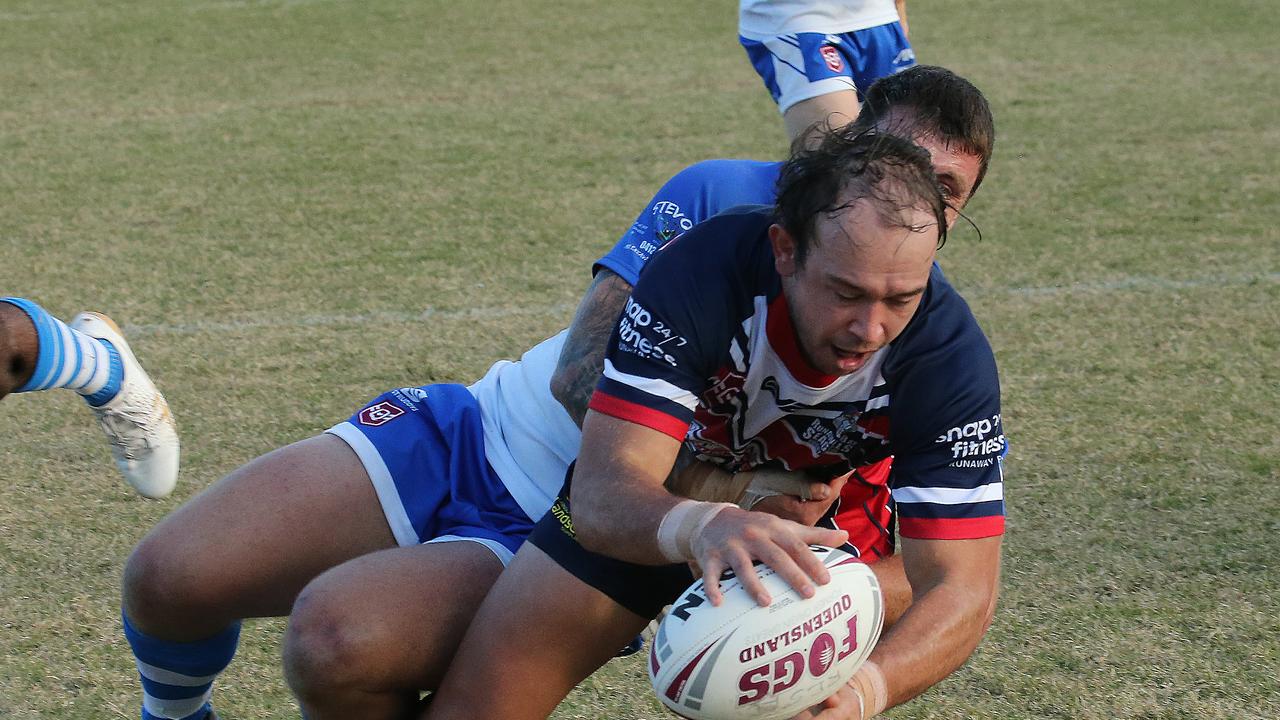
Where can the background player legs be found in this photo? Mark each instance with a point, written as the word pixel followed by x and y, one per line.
pixel 90 356
pixel 18 348
pixel 243 548
pixel 494 677
pixel 366 635
pixel 836 108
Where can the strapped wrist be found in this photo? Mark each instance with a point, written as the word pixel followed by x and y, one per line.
pixel 682 524
pixel 767 482
pixel 869 685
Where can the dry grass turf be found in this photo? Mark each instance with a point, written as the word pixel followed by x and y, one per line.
pixel 293 205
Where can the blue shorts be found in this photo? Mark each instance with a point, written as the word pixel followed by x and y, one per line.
pixel 805 65
pixel 424 451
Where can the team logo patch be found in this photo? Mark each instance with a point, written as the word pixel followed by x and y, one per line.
pixel 380 414
pixel 832 58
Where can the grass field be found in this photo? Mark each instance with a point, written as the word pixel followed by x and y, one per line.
pixel 294 205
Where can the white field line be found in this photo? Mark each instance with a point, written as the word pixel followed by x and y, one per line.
pixel 1130 283
pixel 369 318
pixel 496 313
pixel 54 13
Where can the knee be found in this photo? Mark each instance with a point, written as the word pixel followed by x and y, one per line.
pixel 158 590
pixel 326 644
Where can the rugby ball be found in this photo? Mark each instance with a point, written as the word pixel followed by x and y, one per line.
pixel 741 661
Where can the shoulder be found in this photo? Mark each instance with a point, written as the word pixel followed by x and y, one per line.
pixel 727 244
pixel 706 280
pixel 711 186
pixel 943 334
pixel 941 371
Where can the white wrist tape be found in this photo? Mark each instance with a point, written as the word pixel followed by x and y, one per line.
pixel 682 524
pixel 767 483
pixel 703 481
pixel 780 482
pixel 873 693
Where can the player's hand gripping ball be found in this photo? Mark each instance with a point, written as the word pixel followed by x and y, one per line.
pixel 741 661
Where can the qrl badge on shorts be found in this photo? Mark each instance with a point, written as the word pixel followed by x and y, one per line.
pixel 380 414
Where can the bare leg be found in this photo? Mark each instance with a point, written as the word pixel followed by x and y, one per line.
pixel 537 635
pixel 837 108
pixel 246 546
pixel 18 348
pixel 365 636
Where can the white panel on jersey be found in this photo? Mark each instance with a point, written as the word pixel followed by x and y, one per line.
pixel 949 496
pixel 652 386
pixel 529 438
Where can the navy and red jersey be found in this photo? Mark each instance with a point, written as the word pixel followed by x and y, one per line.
pixel 705 352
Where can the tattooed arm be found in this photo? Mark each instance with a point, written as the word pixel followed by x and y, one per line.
pixel 582 358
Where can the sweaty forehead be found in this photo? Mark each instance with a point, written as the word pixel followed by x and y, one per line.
pixel 878 234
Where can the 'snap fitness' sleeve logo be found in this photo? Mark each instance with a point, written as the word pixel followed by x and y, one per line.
pixel 975 444
pixel 639 334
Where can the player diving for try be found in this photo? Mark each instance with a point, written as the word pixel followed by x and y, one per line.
pixel 819 334
pixel 374 489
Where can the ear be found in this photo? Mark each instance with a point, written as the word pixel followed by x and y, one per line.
pixel 784 250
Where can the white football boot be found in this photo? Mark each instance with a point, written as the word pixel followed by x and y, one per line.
pixel 137 421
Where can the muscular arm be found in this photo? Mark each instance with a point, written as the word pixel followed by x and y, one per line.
pixel 955 587
pixel 902 15
pixel 582 357
pixel 617 495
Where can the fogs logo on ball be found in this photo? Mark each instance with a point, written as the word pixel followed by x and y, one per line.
pixel 742 661
pixel 778 674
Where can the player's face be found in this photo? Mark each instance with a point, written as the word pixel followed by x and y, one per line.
pixel 858 286
pixel 956 172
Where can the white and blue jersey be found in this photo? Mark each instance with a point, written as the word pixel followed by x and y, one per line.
pixel 705 352
pixel 691 196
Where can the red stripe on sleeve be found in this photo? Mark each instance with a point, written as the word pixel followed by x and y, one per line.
pixel 638 414
pixel 951 528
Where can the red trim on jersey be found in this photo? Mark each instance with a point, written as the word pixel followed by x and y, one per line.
pixel 864 511
pixel 950 528
pixel 638 414
pixel 877 473
pixel 784 341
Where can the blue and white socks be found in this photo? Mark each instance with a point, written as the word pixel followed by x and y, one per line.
pixel 177 677
pixel 70 359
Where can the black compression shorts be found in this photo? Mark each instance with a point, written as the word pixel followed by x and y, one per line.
pixel 642 589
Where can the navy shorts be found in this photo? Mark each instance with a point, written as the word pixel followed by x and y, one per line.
pixel 805 65
pixel 642 589
pixel 423 448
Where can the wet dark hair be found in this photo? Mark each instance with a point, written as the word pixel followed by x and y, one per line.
pixel 938 103
pixel 850 164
